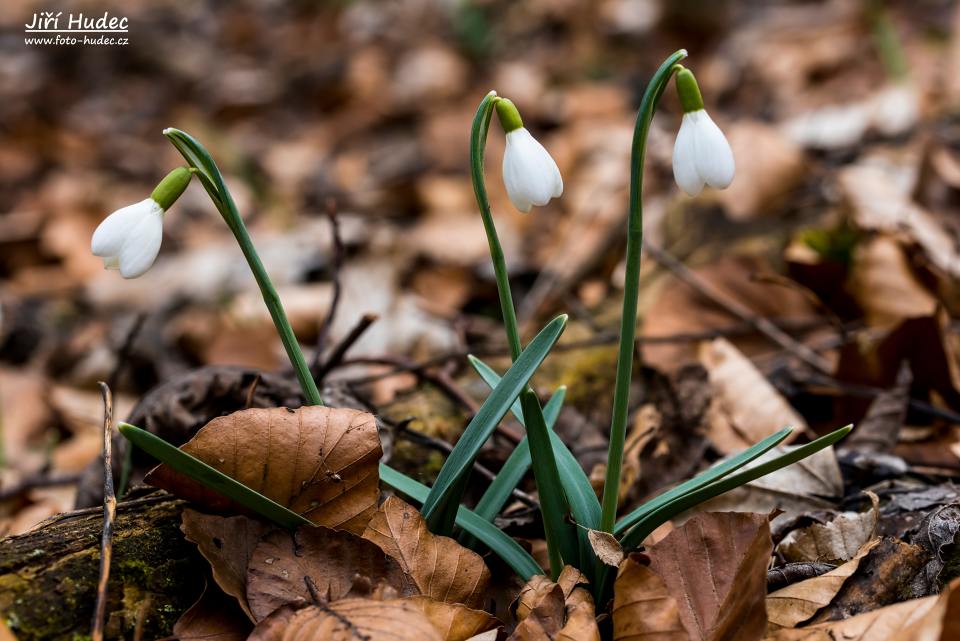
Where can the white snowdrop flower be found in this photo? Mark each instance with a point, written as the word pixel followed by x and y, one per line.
pixel 129 238
pixel 701 154
pixel 529 173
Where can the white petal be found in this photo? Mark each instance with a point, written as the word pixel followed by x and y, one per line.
pixel 111 232
pixel 529 173
pixel 684 157
pixel 111 262
pixel 142 245
pixel 714 158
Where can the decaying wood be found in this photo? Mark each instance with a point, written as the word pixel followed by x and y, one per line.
pixel 48 577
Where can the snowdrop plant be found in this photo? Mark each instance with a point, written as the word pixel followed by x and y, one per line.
pixel 129 239
pixel 701 155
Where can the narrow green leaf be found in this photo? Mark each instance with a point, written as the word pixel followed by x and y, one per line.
pixel 447 490
pixel 500 543
pixel 517 464
pixel 704 478
pixel 576 486
pixel 665 512
pixel 210 477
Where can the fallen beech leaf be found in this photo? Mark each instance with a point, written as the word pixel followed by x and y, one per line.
pixel 340 565
pixel 606 547
pixel 320 462
pixel 227 543
pixel 715 566
pixel 441 568
pixel 747 408
pixel 581 622
pixel 538 587
pixel 796 603
pixel 884 286
pixel 835 541
pixel 643 609
pixel 348 620
pixel 454 621
pixel 214 617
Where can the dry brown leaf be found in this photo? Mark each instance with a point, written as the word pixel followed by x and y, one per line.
pixel 454 621
pixel 606 547
pixel 836 541
pixel 348 620
pixel 340 564
pixel 746 408
pixel 320 462
pixel 643 609
pixel 214 617
pixel 581 622
pixel 442 568
pixel 678 309
pixel 796 603
pixel 884 286
pixel 227 543
pixel 715 566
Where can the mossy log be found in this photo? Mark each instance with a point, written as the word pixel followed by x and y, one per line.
pixel 48 577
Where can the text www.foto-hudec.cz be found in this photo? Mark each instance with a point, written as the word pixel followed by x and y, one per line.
pixel 55 28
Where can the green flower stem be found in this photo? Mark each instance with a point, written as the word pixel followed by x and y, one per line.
pixel 212 180
pixel 628 319
pixel 561 540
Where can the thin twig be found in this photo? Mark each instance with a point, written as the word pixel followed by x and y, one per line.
pixel 341 349
pixel 761 324
pixel 336 265
pixel 109 514
pixel 36 482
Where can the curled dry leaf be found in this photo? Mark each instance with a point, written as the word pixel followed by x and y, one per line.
pixel 747 408
pixel 606 547
pixel 454 621
pixel 835 541
pixel 441 568
pixel 227 543
pixel 643 609
pixel 340 564
pixel 796 603
pixel 348 620
pixel 320 462
pixel 561 611
pixel 715 566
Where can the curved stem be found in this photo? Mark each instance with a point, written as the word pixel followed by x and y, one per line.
pixel 561 542
pixel 206 170
pixel 628 319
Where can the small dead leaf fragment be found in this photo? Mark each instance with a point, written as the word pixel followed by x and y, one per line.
pixel 339 563
pixel 715 566
pixel 348 620
pixel 442 568
pixel 643 609
pixel 606 547
pixel 227 543
pixel 214 617
pixel 320 462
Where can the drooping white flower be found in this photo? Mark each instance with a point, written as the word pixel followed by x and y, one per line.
pixel 129 238
pixel 530 174
pixel 701 154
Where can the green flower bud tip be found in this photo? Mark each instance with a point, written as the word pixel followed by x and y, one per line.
pixel 171 187
pixel 509 116
pixel 688 90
